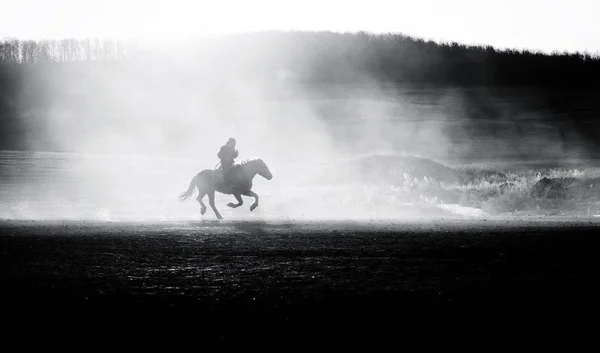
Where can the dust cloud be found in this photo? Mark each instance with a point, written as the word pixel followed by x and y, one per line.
pixel 129 136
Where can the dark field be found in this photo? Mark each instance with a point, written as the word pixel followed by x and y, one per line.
pixel 294 286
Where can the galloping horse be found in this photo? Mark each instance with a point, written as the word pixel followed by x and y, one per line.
pixel 208 181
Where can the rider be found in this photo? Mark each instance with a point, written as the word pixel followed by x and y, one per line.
pixel 227 154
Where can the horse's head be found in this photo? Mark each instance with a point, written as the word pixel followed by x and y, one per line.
pixel 262 169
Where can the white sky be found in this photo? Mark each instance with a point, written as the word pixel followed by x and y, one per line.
pixel 534 24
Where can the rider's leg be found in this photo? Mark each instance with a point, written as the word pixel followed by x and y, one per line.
pixel 224 170
pixel 227 169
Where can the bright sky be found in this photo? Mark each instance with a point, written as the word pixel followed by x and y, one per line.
pixel 535 24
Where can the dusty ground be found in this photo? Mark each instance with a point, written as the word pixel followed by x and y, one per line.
pixel 239 284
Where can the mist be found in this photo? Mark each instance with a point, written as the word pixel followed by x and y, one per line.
pixel 120 140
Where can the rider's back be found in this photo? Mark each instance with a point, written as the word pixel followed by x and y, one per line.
pixel 227 153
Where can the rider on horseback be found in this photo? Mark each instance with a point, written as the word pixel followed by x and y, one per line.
pixel 227 154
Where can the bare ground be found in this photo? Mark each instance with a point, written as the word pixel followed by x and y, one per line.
pixel 291 286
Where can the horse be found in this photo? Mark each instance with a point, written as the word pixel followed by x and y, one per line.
pixel 208 181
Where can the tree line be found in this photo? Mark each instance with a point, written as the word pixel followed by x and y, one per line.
pixel 15 51
pixel 328 57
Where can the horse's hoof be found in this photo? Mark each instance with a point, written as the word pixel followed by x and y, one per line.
pixel 203 211
pixel 220 217
pixel 231 205
pixel 253 207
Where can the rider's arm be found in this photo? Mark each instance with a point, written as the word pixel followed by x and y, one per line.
pixel 235 154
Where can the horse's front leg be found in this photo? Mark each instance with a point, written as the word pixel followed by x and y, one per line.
pixel 252 194
pixel 238 197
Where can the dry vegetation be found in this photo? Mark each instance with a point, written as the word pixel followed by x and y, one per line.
pixel 420 182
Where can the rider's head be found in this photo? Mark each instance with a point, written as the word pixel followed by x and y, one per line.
pixel 231 142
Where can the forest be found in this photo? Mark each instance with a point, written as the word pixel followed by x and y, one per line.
pixel 325 57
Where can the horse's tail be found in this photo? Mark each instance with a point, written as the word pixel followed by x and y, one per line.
pixel 190 190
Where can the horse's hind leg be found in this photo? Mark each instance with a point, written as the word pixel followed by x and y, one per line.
pixel 211 202
pixel 252 194
pixel 202 205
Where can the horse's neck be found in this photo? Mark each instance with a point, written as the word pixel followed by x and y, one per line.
pixel 249 168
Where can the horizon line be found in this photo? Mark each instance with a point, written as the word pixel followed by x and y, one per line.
pixel 209 36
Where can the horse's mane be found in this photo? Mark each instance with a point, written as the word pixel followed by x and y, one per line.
pixel 248 160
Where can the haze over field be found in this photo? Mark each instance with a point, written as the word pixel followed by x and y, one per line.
pixel 351 125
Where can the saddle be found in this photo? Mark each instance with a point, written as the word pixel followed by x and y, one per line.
pixel 219 174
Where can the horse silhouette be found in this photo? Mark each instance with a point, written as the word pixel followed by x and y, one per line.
pixel 208 181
